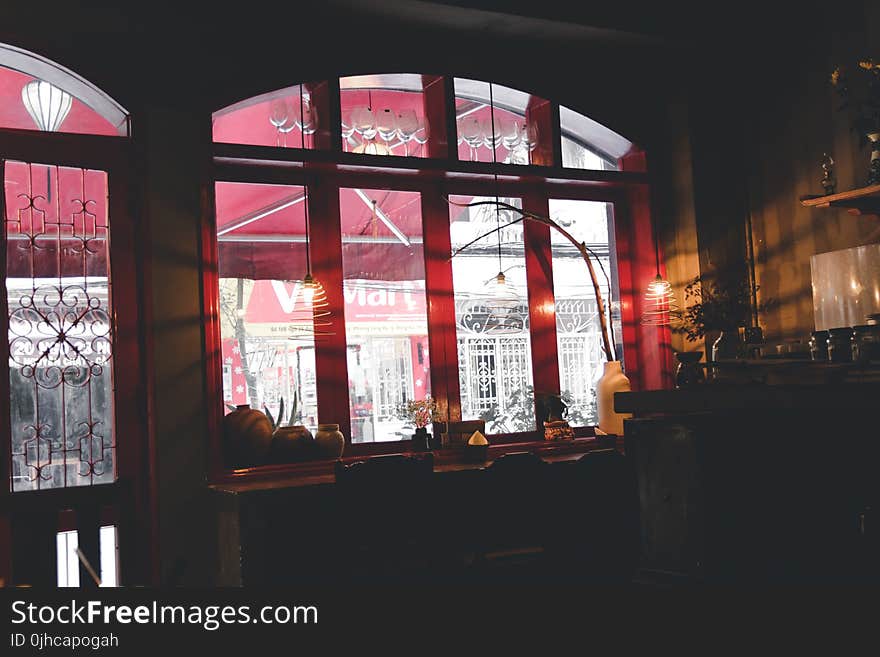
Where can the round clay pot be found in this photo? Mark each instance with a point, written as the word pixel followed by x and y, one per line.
pixel 330 441
pixel 291 445
pixel 247 436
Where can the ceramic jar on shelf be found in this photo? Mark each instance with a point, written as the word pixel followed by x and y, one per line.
pixel 329 441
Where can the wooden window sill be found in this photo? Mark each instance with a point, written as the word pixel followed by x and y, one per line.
pixel 314 473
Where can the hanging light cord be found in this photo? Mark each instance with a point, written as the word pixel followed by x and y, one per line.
pixel 495 174
pixel 302 135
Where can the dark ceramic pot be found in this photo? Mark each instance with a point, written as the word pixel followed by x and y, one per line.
pixel 689 372
pixel 292 445
pixel 421 440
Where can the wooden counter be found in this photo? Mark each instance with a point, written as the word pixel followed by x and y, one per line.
pixel 566 509
pixel 758 483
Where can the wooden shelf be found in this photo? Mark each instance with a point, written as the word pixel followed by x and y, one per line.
pixel 864 200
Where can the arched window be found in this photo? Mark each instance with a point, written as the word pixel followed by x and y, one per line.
pixel 363 182
pixel 74 402
pixel 38 94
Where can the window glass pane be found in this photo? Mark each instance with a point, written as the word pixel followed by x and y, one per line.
pixel 267 346
pixel 274 119
pixel 384 115
pixel 520 133
pixel 67 563
pixel 578 336
pixel 492 325
pixel 587 144
pixel 64 104
pixel 60 365
pixel 577 156
pixel 386 322
pixel 66 544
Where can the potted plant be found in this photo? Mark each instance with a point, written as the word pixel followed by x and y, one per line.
pixel 292 442
pixel 420 413
pixel 717 308
pixel 860 95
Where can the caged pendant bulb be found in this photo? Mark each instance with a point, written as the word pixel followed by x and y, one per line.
pixel 310 318
pixel 502 298
pixel 660 305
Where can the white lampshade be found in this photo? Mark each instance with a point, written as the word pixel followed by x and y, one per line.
pixel 47 104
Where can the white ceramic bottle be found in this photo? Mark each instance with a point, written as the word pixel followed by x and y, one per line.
pixel 613 380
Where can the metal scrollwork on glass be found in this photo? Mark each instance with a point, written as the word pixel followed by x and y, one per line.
pixel 59 328
pixel 475 316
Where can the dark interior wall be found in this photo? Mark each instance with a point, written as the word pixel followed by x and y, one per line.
pixel 792 120
pixel 171 69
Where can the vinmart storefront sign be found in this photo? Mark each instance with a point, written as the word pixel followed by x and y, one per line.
pixel 374 307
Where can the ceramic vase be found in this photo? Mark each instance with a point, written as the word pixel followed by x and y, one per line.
pixel 247 437
pixel 291 445
pixel 613 380
pixel 874 172
pixel 329 441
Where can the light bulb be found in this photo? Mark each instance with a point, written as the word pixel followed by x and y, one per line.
pixel 502 297
pixel 660 306
pixel 309 288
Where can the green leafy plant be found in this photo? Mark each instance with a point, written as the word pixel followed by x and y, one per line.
pixel 716 307
pixel 295 413
pixel 860 95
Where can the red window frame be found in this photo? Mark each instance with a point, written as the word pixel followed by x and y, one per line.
pixel 647 354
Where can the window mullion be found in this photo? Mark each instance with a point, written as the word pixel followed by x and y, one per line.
pixel 542 312
pixel 325 247
pixel 442 341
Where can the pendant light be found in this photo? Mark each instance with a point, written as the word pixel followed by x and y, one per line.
pixel 47 104
pixel 502 300
pixel 660 305
pixel 310 318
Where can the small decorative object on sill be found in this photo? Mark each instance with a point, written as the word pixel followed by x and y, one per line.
pixel 688 372
pixel 829 182
pixel 558 430
pixel 419 413
pixel 840 344
pixel 247 437
pixel 819 345
pixel 613 380
pixel 477 448
pixel 329 441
